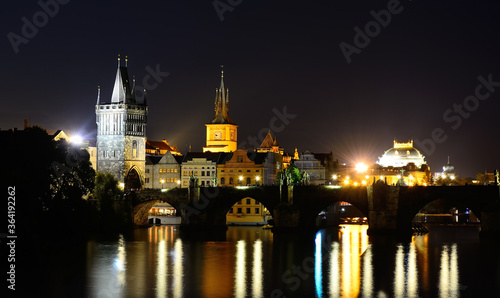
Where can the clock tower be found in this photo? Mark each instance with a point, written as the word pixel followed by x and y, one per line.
pixel 222 131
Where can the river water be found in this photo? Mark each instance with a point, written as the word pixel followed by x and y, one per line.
pixel 449 261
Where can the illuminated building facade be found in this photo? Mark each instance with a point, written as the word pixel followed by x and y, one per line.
pixel 121 132
pixel 238 169
pixel 201 166
pixel 163 172
pixel 221 131
pixel 313 167
pixel 401 155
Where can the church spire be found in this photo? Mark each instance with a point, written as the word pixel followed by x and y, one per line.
pixel 222 103
pixel 121 90
pixel 98 95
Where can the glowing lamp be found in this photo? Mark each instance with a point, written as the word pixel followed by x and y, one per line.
pixel 76 139
pixel 361 167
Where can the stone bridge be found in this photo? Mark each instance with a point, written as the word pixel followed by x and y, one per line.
pixel 390 209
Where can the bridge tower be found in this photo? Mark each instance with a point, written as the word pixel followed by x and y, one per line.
pixel 121 132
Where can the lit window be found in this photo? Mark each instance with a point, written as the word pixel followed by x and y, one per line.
pixel 257 210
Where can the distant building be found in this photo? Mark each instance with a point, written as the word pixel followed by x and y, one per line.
pixel 160 148
pixel 448 172
pixel 309 164
pixel 237 169
pixel 270 144
pixel 221 131
pixel 400 155
pixel 163 171
pixel 201 166
pixel 121 132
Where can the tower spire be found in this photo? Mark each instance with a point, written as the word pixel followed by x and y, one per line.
pixel 222 102
pixel 98 95
pixel 118 60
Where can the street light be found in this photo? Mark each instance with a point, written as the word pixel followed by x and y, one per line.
pixel 361 167
pixel 162 181
pixel 178 183
pixel 240 179
pixel 257 179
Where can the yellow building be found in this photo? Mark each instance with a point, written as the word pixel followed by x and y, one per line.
pixel 222 131
pixel 240 170
pixel 247 211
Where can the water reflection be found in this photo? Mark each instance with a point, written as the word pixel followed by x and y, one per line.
pixel 257 269
pixel 448 279
pixel 160 263
pixel 406 272
pixel 240 270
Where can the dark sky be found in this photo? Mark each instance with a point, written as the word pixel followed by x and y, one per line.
pixel 276 54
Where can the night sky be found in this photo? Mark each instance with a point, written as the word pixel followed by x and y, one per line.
pixel 403 84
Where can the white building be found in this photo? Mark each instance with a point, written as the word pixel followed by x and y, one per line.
pixel 309 164
pixel 401 155
pixel 200 165
pixel 163 171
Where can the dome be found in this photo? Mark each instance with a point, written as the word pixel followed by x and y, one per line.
pixel 401 155
pixel 448 168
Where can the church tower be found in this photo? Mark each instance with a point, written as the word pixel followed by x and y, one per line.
pixel 222 131
pixel 121 132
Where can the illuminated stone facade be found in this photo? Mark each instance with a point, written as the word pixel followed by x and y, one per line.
pixel 121 133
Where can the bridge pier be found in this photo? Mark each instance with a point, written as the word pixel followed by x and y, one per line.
pixel 383 206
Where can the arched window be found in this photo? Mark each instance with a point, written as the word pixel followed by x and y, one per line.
pixel 222 181
pixel 248 181
pixel 134 149
pixel 231 180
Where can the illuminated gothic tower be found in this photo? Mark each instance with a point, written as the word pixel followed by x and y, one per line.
pixel 121 132
pixel 222 131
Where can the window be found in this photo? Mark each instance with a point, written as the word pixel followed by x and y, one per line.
pixel 202 173
pixel 222 171
pixel 222 181
pixel 185 173
pixel 146 180
pixel 230 210
pixel 239 202
pixel 185 183
pixel 239 210
pixel 231 180
pixel 248 171
pixel 147 171
pixel 256 171
pixel 249 201
pixel 248 180
pixel 239 171
pixel 134 148
pixel 257 210
pixel 213 173
pixel 248 210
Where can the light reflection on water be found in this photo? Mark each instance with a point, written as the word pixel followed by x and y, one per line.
pixel 250 263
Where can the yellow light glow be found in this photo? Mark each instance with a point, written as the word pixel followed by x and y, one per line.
pixel 346 182
pixel 122 185
pixel 347 177
pixel 452 177
pixel 355 183
pixel 399 176
pixel 76 139
pixel 381 177
pixel 334 177
pixel 257 178
pixel 366 177
pixel 240 178
pixel 363 182
pixel 361 167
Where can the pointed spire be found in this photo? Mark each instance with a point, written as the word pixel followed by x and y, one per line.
pixel 222 103
pixel 98 95
pixel 121 90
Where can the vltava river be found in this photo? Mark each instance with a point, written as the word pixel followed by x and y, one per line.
pixel 345 262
